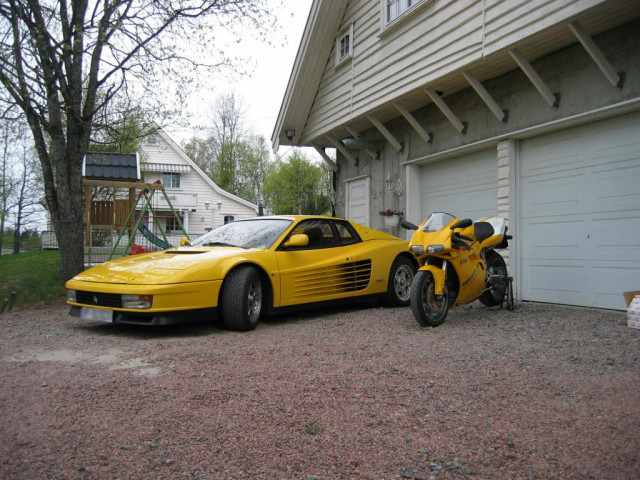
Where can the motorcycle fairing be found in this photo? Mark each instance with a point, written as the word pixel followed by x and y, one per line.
pixel 438 277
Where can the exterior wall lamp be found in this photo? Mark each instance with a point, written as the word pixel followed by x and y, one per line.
pixel 207 205
pixel 219 204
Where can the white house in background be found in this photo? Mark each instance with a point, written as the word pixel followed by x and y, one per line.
pixel 201 204
pixel 526 109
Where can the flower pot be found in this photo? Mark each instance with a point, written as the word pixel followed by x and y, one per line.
pixel 391 221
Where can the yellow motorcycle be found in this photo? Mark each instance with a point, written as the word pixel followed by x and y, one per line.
pixel 458 264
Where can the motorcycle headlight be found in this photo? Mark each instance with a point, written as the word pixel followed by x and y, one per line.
pixel 435 248
pixel 139 302
pixel 417 249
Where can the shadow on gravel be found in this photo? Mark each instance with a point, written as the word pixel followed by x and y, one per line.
pixel 141 332
pixel 216 327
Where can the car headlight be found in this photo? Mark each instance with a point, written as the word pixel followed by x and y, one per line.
pixel 435 248
pixel 139 302
pixel 417 249
pixel 71 295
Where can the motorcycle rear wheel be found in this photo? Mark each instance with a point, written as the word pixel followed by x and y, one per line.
pixel 498 269
pixel 429 309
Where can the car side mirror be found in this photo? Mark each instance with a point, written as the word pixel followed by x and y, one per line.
pixel 297 240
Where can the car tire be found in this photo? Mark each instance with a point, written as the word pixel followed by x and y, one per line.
pixel 399 285
pixel 242 299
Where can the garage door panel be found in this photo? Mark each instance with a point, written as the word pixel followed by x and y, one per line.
pixel 616 185
pixel 611 279
pixel 562 195
pixel 579 197
pixel 615 237
pixel 555 282
pixel 553 153
pixel 560 240
pixel 464 186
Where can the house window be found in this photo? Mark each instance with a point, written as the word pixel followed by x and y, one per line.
pixel 172 225
pixel 344 45
pixel 171 180
pixel 152 139
pixel 394 9
pixel 228 219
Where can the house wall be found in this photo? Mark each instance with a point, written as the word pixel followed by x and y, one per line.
pixel 194 191
pixel 444 36
pixel 570 71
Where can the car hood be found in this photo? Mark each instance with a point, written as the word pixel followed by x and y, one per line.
pixel 168 266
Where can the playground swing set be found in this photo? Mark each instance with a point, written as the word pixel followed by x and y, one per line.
pixel 98 214
pixel 162 243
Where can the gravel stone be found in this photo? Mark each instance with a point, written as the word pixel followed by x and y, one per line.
pixel 362 392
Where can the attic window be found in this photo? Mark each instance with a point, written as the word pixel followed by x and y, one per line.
pixel 152 139
pixel 344 45
pixel 395 10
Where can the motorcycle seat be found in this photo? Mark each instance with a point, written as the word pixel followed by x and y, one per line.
pixel 482 231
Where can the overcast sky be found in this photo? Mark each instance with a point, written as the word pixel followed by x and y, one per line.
pixel 262 92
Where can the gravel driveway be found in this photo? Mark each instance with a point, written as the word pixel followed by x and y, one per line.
pixel 544 392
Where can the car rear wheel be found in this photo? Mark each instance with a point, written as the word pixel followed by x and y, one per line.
pixel 242 299
pixel 399 285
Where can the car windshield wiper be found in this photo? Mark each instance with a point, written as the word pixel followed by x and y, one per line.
pixel 218 244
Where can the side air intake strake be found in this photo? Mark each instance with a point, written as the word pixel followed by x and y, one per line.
pixel 348 277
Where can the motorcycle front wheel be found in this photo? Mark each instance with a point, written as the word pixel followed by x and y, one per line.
pixel 429 309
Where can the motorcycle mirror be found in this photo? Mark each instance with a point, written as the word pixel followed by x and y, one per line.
pixel 467 222
pixel 408 225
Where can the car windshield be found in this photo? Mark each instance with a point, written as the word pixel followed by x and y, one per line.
pixel 437 221
pixel 259 233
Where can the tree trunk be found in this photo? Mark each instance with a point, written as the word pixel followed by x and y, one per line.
pixel 70 236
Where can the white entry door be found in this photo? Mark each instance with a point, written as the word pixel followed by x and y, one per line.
pixel 358 200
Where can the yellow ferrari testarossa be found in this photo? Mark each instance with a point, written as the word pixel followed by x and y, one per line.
pixel 245 269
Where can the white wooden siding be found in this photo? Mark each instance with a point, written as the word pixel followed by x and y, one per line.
pixel 444 37
pixel 192 185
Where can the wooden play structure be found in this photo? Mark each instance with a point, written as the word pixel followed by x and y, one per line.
pixel 120 218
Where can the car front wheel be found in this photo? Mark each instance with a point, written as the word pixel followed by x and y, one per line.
pixel 242 299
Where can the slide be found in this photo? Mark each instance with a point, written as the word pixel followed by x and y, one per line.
pixel 157 241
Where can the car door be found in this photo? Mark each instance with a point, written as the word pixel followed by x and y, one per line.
pixel 315 272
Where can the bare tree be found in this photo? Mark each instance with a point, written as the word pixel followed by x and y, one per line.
pixel 62 63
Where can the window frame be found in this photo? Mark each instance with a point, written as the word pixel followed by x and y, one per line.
pixel 173 176
pixel 408 9
pixel 344 33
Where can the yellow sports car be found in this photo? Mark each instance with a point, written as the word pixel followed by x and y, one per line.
pixel 245 269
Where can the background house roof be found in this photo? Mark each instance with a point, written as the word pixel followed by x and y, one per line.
pixel 124 167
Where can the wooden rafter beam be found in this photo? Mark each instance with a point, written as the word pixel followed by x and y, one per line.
pixel 342 149
pixel 111 184
pixel 385 133
pixel 552 99
pixel 446 111
pixel 426 136
pixel 355 134
pixel 486 97
pixel 329 161
pixel 616 79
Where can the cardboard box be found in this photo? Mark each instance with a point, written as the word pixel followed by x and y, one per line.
pixel 632 299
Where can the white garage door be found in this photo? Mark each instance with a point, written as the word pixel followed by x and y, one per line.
pixel 580 214
pixel 465 186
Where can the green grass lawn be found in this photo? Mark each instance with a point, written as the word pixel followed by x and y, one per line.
pixel 34 276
